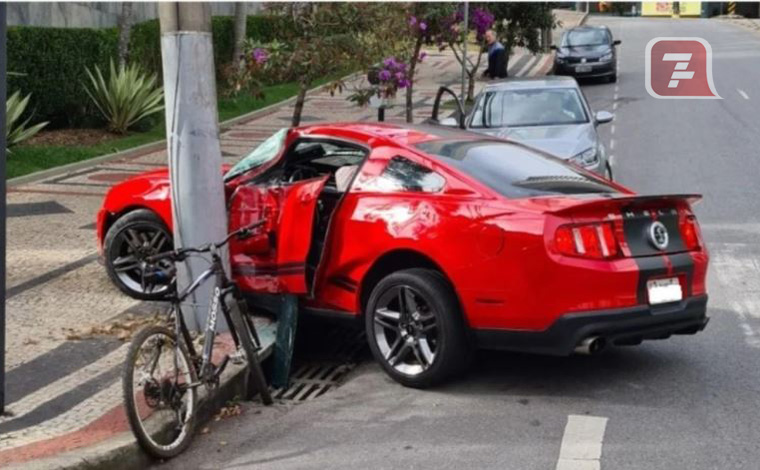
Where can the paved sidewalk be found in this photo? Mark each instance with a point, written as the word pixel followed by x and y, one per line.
pixel 752 24
pixel 63 387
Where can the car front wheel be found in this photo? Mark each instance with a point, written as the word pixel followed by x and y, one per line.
pixel 128 242
pixel 415 328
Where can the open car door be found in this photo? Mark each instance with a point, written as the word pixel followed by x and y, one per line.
pixel 274 261
pixel 456 121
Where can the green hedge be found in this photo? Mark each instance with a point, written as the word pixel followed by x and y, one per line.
pixel 54 60
pixel 145 39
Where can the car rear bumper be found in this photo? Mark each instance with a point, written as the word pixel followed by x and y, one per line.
pixel 620 327
pixel 597 70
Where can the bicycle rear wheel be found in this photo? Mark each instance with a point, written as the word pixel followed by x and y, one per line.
pixel 160 405
pixel 246 333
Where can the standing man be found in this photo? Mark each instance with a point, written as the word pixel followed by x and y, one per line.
pixel 497 57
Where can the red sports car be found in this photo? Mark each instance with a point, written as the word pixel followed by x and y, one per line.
pixel 440 240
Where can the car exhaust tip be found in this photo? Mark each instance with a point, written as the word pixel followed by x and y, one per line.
pixel 591 345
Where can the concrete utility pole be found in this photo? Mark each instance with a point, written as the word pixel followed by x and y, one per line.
pixel 465 33
pixel 192 135
pixel 3 64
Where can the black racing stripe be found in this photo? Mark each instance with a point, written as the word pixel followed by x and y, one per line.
pixel 683 263
pixel 636 225
pixel 271 270
pixel 649 267
pixel 344 283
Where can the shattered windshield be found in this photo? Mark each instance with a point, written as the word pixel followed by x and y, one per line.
pixel 265 152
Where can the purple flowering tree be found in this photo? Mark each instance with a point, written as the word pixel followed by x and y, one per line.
pixel 386 79
pixel 480 21
pixel 426 22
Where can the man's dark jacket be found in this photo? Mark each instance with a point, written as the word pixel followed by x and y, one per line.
pixel 497 61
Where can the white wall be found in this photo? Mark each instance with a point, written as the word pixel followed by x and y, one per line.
pixel 94 14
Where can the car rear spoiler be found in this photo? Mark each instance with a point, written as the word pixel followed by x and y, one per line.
pixel 623 201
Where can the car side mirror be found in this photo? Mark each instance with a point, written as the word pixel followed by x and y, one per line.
pixel 602 117
pixel 449 122
pixel 616 42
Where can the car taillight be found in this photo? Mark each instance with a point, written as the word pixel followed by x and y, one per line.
pixel 594 240
pixel 689 231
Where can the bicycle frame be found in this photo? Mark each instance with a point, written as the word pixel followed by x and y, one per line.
pixel 222 288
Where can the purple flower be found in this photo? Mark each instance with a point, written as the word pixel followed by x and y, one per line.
pixel 390 62
pixel 404 83
pixel 423 54
pixel 423 26
pixel 260 55
pixel 412 21
pixel 384 75
pixel 400 76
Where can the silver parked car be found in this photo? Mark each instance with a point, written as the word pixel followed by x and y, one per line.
pixel 549 113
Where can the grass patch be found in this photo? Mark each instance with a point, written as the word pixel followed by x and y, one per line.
pixel 25 159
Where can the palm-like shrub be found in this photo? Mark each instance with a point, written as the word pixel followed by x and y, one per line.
pixel 16 131
pixel 126 97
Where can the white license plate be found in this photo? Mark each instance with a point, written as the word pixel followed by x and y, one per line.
pixel 662 291
pixel 582 68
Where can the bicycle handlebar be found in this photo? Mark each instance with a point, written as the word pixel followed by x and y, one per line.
pixel 179 255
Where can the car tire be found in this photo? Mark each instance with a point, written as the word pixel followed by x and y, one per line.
pixel 141 221
pixel 442 353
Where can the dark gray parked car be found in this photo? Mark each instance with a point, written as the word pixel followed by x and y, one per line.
pixel 549 113
pixel 587 51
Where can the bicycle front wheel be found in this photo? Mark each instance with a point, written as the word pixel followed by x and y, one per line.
pixel 161 405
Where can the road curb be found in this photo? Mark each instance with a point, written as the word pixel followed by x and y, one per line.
pixel 158 145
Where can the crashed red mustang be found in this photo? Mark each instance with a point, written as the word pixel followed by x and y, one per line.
pixel 441 240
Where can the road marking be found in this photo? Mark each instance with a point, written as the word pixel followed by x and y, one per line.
pixel 612 144
pixel 581 447
pixel 612 160
pixel 743 93
pixel 612 129
pixel 68 383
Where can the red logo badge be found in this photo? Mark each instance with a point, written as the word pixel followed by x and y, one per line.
pixel 679 68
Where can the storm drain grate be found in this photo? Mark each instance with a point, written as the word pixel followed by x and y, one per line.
pixel 318 371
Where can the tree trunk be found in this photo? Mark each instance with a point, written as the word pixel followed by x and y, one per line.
pixel 410 88
pixel 298 108
pixel 240 25
pixel 471 87
pixel 124 23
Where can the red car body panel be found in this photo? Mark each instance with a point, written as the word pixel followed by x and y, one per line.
pixel 496 252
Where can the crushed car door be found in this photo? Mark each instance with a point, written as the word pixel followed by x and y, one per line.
pixel 274 260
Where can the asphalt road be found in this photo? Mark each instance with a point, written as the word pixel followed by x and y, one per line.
pixel 686 402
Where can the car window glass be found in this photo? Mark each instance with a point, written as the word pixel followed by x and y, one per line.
pixel 513 170
pixel 531 107
pixel 266 151
pixel 402 174
pixel 586 37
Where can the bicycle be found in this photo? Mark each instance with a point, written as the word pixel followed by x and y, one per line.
pixel 161 390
